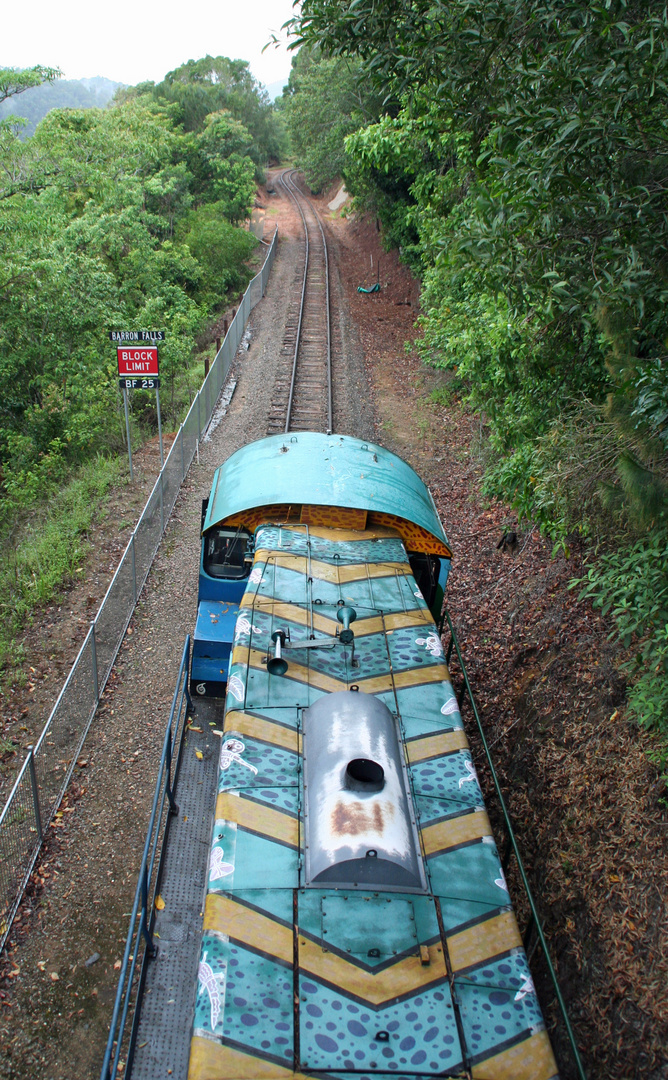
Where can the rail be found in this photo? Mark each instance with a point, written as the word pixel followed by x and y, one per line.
pixel 287 181
pixel 47 770
pixel 534 925
pixel 148 885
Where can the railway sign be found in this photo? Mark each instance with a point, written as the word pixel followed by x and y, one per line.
pixel 137 353
pixel 150 383
pixel 119 336
pixel 138 361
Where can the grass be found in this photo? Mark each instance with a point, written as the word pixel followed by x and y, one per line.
pixel 46 546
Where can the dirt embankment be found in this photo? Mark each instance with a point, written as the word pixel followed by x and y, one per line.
pixel 583 795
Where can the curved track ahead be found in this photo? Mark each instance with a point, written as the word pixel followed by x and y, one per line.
pixel 303 399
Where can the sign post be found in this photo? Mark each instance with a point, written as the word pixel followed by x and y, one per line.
pixel 127 430
pixel 137 352
pixel 157 402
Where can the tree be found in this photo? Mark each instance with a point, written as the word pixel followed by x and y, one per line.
pixel 325 100
pixel 15 81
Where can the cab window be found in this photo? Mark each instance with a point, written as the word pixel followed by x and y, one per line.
pixel 224 551
pixel 426 569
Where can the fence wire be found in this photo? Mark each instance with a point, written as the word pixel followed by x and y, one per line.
pixel 47 770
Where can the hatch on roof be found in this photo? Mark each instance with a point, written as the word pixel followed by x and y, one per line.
pixel 325 480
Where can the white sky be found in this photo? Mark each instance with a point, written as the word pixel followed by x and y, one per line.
pixel 133 40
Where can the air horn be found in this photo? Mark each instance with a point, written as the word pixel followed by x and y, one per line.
pixel 277 665
pixel 346 615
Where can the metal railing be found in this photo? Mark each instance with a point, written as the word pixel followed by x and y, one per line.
pixel 534 927
pixel 46 772
pixel 142 918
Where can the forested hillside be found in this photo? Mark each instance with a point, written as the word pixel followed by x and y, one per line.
pixel 36 102
pixel 519 160
pixel 126 217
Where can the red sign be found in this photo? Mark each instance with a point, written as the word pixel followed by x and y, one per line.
pixel 141 360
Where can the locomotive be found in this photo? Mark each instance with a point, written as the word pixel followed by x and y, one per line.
pixel 357 920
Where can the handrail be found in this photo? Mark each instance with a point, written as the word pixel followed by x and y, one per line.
pixel 534 920
pixel 143 909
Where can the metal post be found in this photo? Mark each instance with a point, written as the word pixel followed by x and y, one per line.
pixel 183 455
pixel 162 504
pixel 93 652
pixel 151 947
pixel 199 422
pixel 35 792
pixel 173 808
pixel 157 401
pixel 127 429
pixel 134 566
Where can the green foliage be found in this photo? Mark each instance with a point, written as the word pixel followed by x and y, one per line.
pixel 324 101
pixel 524 176
pixel 631 585
pixel 33 105
pixel 109 219
pixel 218 246
pixel 15 81
pixel 214 84
pixel 45 551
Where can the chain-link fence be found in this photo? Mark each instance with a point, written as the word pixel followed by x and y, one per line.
pixel 46 771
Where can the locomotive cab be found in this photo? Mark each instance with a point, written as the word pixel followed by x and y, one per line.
pixel 225 560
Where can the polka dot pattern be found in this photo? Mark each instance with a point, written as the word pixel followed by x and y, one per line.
pixel 258 1004
pixel 276 767
pixel 349 552
pixel 419 1033
pixel 450 776
pixel 406 652
pixel 491 1016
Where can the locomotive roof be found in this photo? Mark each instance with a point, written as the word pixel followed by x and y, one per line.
pixel 312 469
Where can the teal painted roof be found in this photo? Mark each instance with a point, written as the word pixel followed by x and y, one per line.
pixel 310 468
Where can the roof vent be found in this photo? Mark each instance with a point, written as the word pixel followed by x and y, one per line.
pixel 364 775
pixel 358 817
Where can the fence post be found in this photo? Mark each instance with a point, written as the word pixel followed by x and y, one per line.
pixel 199 422
pixel 162 504
pixel 35 792
pixel 134 565
pixel 93 653
pixel 183 455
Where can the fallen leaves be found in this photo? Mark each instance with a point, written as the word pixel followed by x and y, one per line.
pixel 199 755
pixel 159 903
pixel 117 965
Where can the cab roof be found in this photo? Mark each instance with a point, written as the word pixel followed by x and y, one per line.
pixel 291 475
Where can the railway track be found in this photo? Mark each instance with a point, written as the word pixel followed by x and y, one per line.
pixel 303 388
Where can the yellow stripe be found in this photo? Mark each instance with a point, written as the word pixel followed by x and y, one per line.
pixel 225 916
pixel 432 745
pixel 240 653
pixel 210 1060
pixel 376 988
pixel 296 614
pixel 379 532
pixel 479 943
pixel 258 727
pixel 261 819
pixel 398 620
pixel 459 830
pixel 404 679
pixel 374 624
pixel 299 673
pixel 529 1060
pixel 323 571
